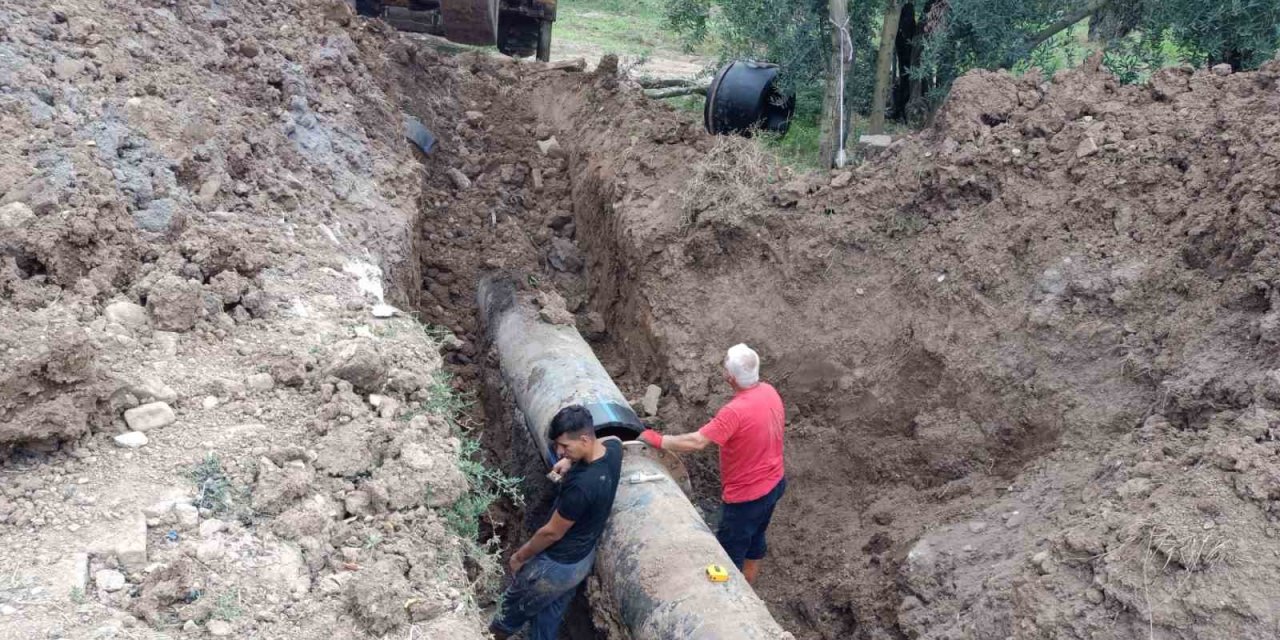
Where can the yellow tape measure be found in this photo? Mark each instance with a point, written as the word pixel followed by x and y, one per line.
pixel 717 573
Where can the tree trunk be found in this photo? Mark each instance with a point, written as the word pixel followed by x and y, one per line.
pixel 675 92
pixel 917 107
pixel 1054 29
pixel 884 67
pixel 902 47
pixel 831 135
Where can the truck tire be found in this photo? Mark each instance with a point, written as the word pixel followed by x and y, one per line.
pixel 544 41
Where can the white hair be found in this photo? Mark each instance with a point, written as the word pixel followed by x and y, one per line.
pixel 744 365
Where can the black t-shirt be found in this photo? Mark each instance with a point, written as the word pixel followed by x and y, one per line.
pixel 586 498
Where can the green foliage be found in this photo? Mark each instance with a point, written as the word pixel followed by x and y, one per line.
pixel 795 34
pixel 959 35
pixel 1244 33
pixel 227 606
pixel 215 491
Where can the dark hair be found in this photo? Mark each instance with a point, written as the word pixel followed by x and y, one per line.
pixel 574 420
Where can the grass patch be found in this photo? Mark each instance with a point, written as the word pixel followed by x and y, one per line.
pixel 731 177
pixel 486 486
pixel 77 595
pixel 634 27
pixel 215 491
pixel 227 606
pixel 799 148
pixel 443 400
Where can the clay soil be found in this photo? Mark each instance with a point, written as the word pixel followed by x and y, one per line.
pixel 1029 354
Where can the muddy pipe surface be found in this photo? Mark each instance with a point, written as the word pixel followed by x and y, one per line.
pixel 653 555
pixel 549 366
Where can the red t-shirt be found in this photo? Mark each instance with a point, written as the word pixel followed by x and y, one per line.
pixel 749 433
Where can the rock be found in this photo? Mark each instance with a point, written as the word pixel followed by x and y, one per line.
pixel 126 314
pixel 150 416
pixel 1221 70
pixel 1086 148
pixel 129 541
pixel 879 141
pixel 218 628
pixel 67 68
pixel 977 526
pixel 229 286
pixel 650 402
pixel 152 390
pixel 209 550
pixel 187 516
pixel 842 179
pixel 473 116
pixel 7 610
pixel 14 215
pixel 211 527
pixel 190 626
pixel 159 509
pixel 158 215
pixel 551 148
pixel 1135 488
pixel 552 315
pixel 175 303
pixel 592 326
pixel 1093 595
pixel 460 180
pixel 260 382
pixel 564 255
pixel 249 48
pixel 131 440
pixel 71 573
pixel 224 388
pixel 209 402
pixel 109 580
pixel 1015 520
pixel 209 190
pixel 359 363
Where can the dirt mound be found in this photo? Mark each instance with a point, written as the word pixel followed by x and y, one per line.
pixel 199 203
pixel 1028 354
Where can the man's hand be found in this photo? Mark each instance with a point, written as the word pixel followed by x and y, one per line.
pixel 562 466
pixel 651 438
pixel 516 564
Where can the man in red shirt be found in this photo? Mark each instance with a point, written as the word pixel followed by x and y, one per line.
pixel 748 431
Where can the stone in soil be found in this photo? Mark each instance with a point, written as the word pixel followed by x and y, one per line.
pixel 131 440
pixel 211 527
pixel 218 628
pixel 650 402
pixel 109 580
pixel 126 314
pixel 260 382
pixel 187 516
pixel 149 416
pixel 358 362
pixel 14 215
pixel 175 303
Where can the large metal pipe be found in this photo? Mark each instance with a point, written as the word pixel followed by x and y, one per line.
pixel 653 555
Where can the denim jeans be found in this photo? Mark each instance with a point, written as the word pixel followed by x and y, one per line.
pixel 743 525
pixel 540 593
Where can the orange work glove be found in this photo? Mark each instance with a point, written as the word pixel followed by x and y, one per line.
pixel 651 438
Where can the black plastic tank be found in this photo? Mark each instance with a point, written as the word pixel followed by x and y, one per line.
pixel 743 97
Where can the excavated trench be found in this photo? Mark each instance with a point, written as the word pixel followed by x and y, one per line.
pixel 893 425
pixel 561 237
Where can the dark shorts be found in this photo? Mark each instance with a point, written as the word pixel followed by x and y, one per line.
pixel 742 525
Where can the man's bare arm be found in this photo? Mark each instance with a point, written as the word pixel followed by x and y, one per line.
pixel 685 443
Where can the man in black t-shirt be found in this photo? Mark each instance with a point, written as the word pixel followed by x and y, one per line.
pixel 551 565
